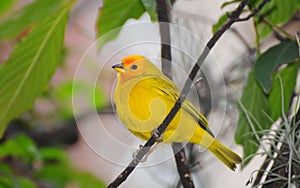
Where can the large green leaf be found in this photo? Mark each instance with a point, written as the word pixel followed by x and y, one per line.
pixel 6 5
pixel 30 66
pixel 114 14
pixel 284 83
pixel 28 16
pixel 254 110
pixel 268 62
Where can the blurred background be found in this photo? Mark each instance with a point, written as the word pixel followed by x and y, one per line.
pixel 75 113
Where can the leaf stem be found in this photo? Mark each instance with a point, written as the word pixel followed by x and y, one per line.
pixel 277 28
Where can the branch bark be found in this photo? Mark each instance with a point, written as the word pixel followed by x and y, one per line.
pixel 162 127
pixel 163 14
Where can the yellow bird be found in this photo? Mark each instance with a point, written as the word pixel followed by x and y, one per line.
pixel 144 96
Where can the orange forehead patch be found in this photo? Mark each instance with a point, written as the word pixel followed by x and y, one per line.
pixel 130 59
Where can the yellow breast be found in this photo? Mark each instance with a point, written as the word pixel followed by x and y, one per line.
pixel 142 107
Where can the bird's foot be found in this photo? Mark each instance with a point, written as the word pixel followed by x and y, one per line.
pixel 134 156
pixel 157 137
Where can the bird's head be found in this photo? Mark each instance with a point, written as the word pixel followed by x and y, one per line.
pixel 135 66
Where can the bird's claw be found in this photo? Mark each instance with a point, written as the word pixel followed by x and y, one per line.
pixel 134 156
pixel 157 137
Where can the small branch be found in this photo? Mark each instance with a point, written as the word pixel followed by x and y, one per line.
pixel 261 18
pixel 162 127
pixel 254 12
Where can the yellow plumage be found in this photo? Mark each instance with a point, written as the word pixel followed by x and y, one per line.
pixel 144 96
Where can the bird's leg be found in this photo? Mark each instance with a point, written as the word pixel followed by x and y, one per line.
pixel 155 134
pixel 134 155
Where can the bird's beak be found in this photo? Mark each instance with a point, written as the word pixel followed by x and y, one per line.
pixel 118 67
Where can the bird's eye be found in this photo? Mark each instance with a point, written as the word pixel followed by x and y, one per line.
pixel 133 67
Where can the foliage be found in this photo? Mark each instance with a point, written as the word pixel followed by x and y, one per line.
pixel 271 83
pixel 39 53
pixel 37 31
pixel 283 87
pixel 36 167
pixel 275 12
pixel 261 99
pixel 112 16
pixel 254 106
pixel 258 110
pixel 150 7
pixel 6 5
pixel 29 16
pixel 284 53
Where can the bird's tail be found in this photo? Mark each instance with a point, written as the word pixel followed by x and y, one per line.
pixel 224 154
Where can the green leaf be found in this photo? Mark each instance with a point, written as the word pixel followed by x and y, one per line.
pixel 6 5
pixel 24 182
pixel 11 181
pixel 150 6
pixel 268 62
pixel 284 83
pixel 22 147
pixel 254 110
pixel 30 66
pixel 28 16
pixel 114 14
pixel 58 172
pixel 220 22
pixel 56 168
pixel 277 12
pixel 229 3
pixel 5 182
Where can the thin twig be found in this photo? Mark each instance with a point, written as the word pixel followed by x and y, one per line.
pixel 254 12
pixel 162 127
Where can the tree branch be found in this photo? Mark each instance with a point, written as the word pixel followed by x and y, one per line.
pixel 163 14
pixel 186 178
pixel 162 127
pixel 254 12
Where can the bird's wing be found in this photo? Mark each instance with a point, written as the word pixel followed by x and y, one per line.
pixel 194 112
pixel 170 91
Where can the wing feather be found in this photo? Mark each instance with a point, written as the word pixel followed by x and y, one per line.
pixel 170 91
